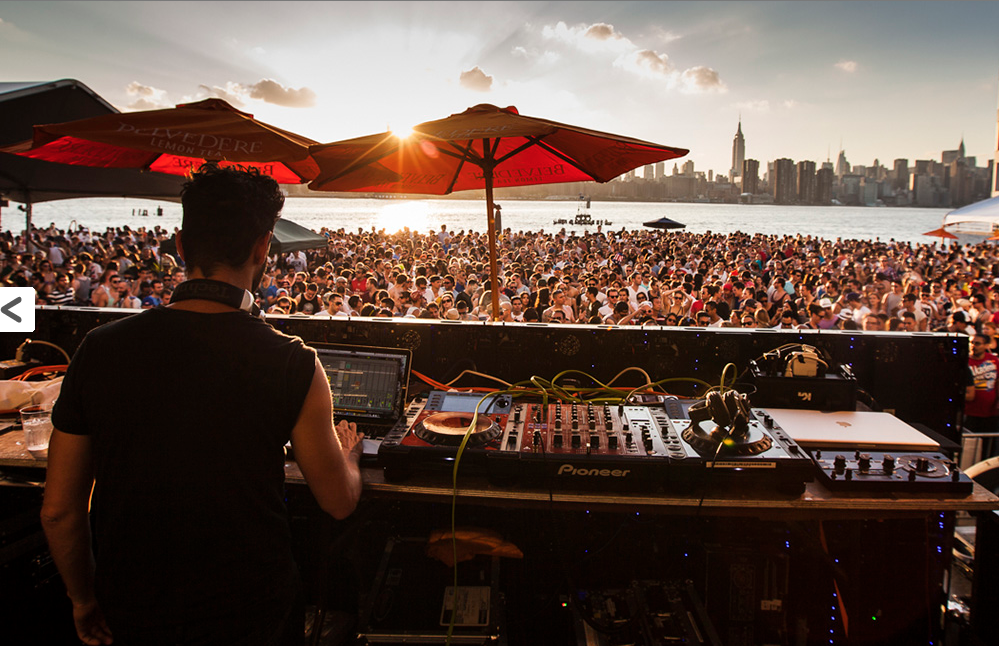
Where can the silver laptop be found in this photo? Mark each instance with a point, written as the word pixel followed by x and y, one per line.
pixel 850 429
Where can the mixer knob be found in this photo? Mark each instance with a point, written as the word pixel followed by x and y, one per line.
pixel 537 438
pixel 576 441
pixel 557 440
pixel 575 424
pixel 849 474
pixel 889 463
pixel 856 454
pixel 912 476
pixel 839 463
pixel 648 444
pixel 628 438
pixel 864 462
pixel 955 474
pixel 612 442
pixel 594 441
pixel 922 465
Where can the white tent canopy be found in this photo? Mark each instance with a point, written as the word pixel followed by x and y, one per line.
pixel 978 218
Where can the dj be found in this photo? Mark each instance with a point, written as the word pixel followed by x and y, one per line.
pixel 192 542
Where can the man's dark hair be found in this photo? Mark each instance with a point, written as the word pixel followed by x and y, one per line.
pixel 226 210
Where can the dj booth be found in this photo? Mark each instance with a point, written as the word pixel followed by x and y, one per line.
pixel 711 553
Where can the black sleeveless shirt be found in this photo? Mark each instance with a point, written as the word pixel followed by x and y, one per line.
pixel 189 414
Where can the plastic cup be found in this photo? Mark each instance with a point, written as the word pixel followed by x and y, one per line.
pixel 37 424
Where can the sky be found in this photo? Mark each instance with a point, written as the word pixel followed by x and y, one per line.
pixel 882 80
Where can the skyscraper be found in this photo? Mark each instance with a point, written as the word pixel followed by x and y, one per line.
pixel 738 152
pixel 784 182
pixel 901 174
pixel 806 182
pixel 995 163
pixel 751 176
pixel 842 166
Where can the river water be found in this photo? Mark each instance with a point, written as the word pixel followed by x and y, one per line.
pixel 862 223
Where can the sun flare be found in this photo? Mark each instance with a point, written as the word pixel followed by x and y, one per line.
pixel 396 216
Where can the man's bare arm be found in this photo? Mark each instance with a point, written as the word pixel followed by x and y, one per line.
pixel 66 520
pixel 329 459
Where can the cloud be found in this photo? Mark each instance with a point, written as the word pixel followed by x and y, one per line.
pixel 476 79
pixel 665 36
pixel 603 38
pixel 847 66
pixel 232 93
pixel 790 104
pixel 602 31
pixel 266 90
pixel 646 63
pixel 271 91
pixel 147 97
pixel 761 105
pixel 599 37
pixel 701 79
pixel 547 57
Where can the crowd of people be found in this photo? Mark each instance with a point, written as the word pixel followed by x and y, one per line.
pixel 613 278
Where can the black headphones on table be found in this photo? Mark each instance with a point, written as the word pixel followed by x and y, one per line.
pixel 217 291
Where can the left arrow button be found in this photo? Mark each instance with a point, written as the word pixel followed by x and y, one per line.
pixel 6 309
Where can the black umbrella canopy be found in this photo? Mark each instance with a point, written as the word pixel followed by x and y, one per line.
pixel 289 237
pixel 665 223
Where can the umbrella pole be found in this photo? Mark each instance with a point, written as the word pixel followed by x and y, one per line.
pixel 491 223
pixel 27 222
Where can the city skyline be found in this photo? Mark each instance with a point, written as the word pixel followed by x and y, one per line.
pixel 880 80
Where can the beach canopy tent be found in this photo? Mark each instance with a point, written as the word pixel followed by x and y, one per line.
pixel 665 223
pixel 290 237
pixel 22 106
pixel 980 218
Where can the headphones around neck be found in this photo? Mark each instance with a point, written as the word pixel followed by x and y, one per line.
pixel 216 291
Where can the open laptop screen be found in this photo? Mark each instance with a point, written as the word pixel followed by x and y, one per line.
pixel 368 384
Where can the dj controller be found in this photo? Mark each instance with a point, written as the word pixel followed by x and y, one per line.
pixel 592 445
pixel 665 444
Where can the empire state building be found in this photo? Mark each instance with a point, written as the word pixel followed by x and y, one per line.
pixel 738 152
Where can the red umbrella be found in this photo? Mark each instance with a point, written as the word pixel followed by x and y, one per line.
pixel 941 233
pixel 483 147
pixel 173 141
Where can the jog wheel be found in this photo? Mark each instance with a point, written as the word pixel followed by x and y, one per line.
pixel 924 466
pixel 448 429
pixel 705 436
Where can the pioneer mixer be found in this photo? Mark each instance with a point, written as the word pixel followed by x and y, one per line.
pixel 595 445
